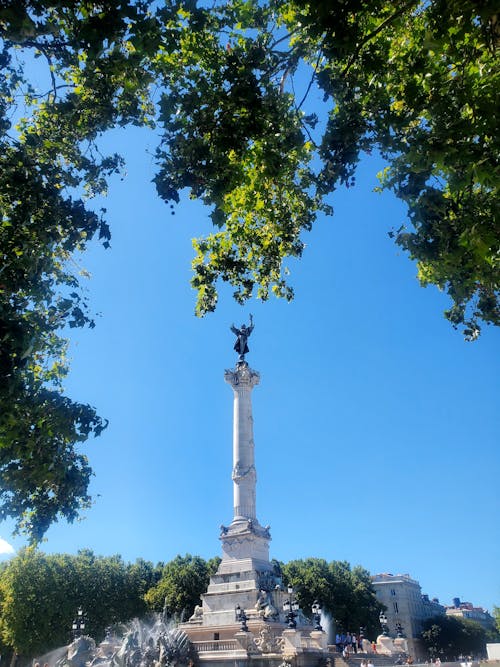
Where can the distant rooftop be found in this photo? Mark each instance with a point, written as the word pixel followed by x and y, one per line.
pixel 389 577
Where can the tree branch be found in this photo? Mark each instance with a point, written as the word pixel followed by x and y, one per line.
pixel 311 81
pixel 282 39
pixel 377 30
pixel 306 129
pixel 45 50
pixel 62 85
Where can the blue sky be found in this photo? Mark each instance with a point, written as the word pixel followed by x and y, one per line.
pixel 376 425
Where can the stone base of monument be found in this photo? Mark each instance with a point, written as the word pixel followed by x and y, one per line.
pixel 265 644
pixel 255 587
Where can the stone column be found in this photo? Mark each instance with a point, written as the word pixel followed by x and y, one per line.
pixel 242 380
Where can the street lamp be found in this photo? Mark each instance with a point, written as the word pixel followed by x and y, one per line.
pixel 291 607
pixel 316 613
pixel 78 625
pixel 383 622
pixel 399 630
pixel 241 617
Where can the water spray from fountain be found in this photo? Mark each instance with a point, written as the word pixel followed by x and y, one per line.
pixel 159 643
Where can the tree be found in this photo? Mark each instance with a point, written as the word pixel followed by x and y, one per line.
pixel 182 582
pixel 448 637
pixel 46 164
pixel 345 593
pixel 361 607
pixel 496 616
pixel 415 80
pixel 40 594
pixel 311 580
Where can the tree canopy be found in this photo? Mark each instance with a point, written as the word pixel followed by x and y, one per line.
pixel 182 582
pixel 448 638
pixel 42 592
pixel 223 83
pixel 416 81
pixel 496 616
pixel 345 593
pixel 40 595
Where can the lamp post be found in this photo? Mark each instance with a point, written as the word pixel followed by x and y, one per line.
pixel 78 625
pixel 316 614
pixel 241 617
pixel 399 630
pixel 383 622
pixel 290 607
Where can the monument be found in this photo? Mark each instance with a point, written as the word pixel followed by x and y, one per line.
pixel 245 615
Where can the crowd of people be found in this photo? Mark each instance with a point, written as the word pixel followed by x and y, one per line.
pixel 351 643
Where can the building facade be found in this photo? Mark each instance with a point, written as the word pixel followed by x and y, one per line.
pixel 467 611
pixel 405 603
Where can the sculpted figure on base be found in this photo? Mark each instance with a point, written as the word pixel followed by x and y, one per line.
pixel 242 336
pixel 264 606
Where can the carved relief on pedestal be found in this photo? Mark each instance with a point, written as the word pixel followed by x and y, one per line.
pixel 266 642
pixel 238 547
pixel 240 472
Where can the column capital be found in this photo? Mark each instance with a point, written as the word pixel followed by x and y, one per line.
pixel 242 376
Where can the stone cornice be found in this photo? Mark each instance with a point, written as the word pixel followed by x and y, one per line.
pixel 242 376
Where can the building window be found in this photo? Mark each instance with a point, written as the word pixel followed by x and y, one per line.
pixel 216 636
pixel 396 610
pixel 393 592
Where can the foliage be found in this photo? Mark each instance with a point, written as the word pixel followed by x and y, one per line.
pixel 40 594
pixel 233 137
pixel 46 165
pixel 448 637
pixel 496 616
pixel 182 582
pixel 415 80
pixel 213 565
pixel 493 634
pixel 344 592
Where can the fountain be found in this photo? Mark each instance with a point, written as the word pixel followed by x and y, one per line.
pixel 157 644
